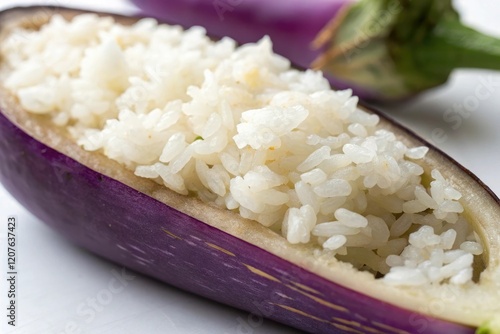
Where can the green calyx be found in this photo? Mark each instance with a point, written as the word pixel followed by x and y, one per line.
pixel 490 327
pixel 398 48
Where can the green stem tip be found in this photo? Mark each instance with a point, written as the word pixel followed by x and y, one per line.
pixel 398 48
pixel 453 45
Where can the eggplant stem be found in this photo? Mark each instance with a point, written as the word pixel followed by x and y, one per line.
pixel 336 51
pixel 454 45
pixel 325 35
pixel 410 47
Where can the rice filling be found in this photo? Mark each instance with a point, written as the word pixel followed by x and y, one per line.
pixel 237 126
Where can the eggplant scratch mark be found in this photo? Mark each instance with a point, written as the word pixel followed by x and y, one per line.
pixel 236 280
pixel 372 330
pixel 294 310
pixel 337 325
pixel 225 251
pixel 282 295
pixel 305 287
pixel 137 249
pixel 360 317
pixel 347 322
pixel 259 282
pixel 340 326
pixel 389 328
pixel 261 273
pixel 320 301
pixel 171 234
pixel 347 328
pixel 357 324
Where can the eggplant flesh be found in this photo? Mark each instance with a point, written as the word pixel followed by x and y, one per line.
pixel 103 207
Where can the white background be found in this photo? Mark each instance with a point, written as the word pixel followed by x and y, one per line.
pixel 57 278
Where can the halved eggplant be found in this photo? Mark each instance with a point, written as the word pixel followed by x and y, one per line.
pixel 105 208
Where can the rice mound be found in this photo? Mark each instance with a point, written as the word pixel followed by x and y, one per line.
pixel 238 127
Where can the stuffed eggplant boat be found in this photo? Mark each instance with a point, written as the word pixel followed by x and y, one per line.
pixel 224 171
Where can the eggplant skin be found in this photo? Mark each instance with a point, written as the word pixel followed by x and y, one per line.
pixel 126 226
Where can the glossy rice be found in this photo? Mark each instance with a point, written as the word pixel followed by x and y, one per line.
pixel 238 127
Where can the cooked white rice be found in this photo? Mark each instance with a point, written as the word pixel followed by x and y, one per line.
pixel 238 127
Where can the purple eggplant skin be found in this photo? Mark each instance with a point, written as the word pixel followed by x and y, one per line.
pixel 108 217
pixel 139 232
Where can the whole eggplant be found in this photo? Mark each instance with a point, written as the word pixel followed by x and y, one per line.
pixel 383 49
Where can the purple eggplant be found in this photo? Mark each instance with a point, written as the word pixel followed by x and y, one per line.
pixel 180 240
pixel 382 49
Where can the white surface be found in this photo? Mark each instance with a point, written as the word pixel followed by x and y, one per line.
pixel 58 283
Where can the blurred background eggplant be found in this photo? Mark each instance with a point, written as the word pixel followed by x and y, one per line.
pixel 383 49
